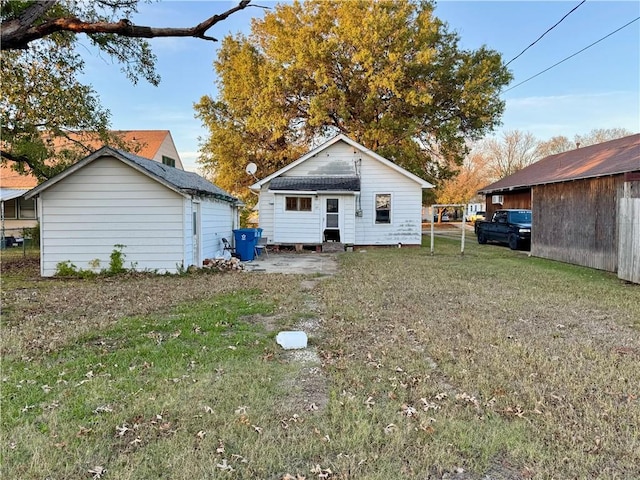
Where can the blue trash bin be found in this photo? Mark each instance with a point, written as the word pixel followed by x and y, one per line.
pixel 246 239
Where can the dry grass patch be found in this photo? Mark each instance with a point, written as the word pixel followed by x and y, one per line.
pixel 490 358
pixel 491 365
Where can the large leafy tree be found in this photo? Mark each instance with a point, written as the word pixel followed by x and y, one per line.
pixel 471 176
pixel 388 74
pixel 43 103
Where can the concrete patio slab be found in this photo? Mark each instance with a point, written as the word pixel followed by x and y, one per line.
pixel 294 263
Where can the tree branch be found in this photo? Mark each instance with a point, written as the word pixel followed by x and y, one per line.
pixel 17 33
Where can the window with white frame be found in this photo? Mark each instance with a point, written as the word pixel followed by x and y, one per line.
pixel 383 208
pixel 298 204
pixel 27 208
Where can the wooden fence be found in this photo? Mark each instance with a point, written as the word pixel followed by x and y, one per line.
pixel 629 239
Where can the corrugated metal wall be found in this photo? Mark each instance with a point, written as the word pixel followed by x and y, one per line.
pixel 576 222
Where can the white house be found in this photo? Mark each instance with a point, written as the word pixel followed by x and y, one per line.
pixel 342 192
pixel 165 218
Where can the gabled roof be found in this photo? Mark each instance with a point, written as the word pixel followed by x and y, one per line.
pixel 341 137
pixel 182 182
pixel 316 184
pixel 608 158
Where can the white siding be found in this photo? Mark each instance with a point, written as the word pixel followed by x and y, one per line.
pixel 339 159
pixel 168 148
pixel 296 227
pixel 406 206
pixel 266 212
pixel 105 204
pixel 217 223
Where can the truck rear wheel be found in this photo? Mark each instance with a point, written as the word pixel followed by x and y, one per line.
pixel 513 242
pixel 482 239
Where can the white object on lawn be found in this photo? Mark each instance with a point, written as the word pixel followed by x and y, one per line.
pixel 292 340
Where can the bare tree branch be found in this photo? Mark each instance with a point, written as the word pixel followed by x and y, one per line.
pixel 17 33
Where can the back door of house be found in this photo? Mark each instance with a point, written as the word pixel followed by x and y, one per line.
pixel 332 223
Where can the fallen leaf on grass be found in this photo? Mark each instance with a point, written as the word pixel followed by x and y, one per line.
pixel 103 409
pixel 122 430
pixel 408 410
pixel 224 466
pixel 321 472
pixel 97 471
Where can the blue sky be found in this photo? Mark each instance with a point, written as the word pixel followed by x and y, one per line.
pixel 599 88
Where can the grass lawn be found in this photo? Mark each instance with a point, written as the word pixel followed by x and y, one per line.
pixel 489 365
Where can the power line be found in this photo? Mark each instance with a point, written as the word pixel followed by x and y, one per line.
pixel 571 56
pixel 540 37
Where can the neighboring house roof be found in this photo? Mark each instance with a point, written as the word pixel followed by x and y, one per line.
pixel 313 184
pixel 183 182
pixel 11 193
pixel 9 178
pixel 608 158
pixel 149 141
pixel 354 144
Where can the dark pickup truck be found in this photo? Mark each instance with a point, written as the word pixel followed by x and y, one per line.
pixel 510 226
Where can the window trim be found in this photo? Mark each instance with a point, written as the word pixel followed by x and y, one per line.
pixel 298 199
pixel 375 208
pixel 15 209
pixel 168 161
pixel 19 202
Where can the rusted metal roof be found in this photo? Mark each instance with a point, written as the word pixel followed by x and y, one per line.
pixel 608 158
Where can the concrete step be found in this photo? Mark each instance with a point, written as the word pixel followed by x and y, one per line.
pixel 332 247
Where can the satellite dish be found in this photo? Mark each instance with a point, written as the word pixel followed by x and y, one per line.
pixel 251 168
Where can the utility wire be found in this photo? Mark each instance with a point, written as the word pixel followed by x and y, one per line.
pixel 571 56
pixel 540 37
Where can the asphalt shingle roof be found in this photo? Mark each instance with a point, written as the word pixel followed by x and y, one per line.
pixel 188 182
pixel 316 184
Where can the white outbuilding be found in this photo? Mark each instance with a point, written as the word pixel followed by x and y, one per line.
pixel 161 218
pixel 341 192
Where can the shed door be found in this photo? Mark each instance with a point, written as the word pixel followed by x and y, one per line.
pixel 196 234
